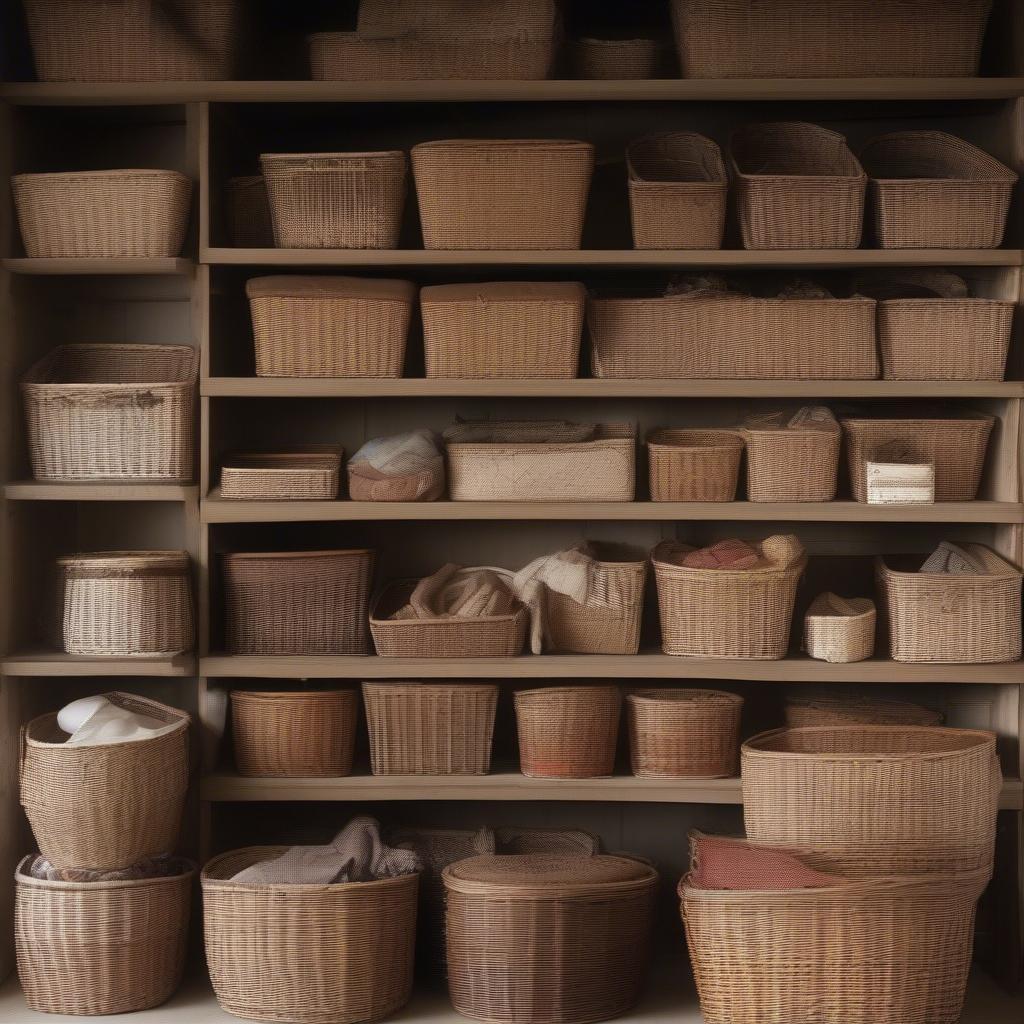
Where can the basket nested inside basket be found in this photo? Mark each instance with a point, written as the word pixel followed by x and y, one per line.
pixel 792 458
pixel 617 58
pixel 815 711
pixel 282 476
pixel 694 465
pixel 840 630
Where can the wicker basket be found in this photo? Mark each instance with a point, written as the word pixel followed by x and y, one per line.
pixel 875 799
pixel 956 447
pixel 502 194
pixel 937 617
pixel 495 636
pixel 513 329
pixel 109 806
pixel 336 200
pixel 98 948
pixel 367 484
pixel 791 463
pixel 607 59
pixel 818 711
pixel 568 732
pixel 102 214
pixel 294 734
pixel 733 337
pixel 111 412
pixel 571 841
pixel 430 729
pixel 797 186
pixel 837 635
pixel 307 954
pixel 282 476
pixel 722 613
pixel 678 734
pixel 694 465
pixel 329 326
pixel 930 190
pixel 677 191
pixel 548 939
pixel 124 603
pixel 298 602
pixel 248 213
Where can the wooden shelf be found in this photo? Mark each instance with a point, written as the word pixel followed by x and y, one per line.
pixel 53 663
pixel 34 490
pixel 49 267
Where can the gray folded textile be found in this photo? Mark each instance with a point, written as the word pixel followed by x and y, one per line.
pixel 952 559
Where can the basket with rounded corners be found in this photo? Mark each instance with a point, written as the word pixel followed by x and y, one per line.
pixel 792 463
pixel 247 213
pixel 840 637
pixel 617 59
pixel 694 465
pixel 281 476
pixel 819 711
pixel 368 484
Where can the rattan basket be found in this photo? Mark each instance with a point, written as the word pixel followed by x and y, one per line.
pixel 568 732
pixel 368 484
pixel 282 476
pixel 247 213
pixel 677 191
pixel 513 329
pixel 102 214
pixel 617 59
pixel 791 463
pixel 298 602
pixel 930 190
pixel 818 711
pixel 336 200
pixel 797 186
pixel 837 635
pixel 502 193
pixel 111 412
pixel 430 728
pixel 98 948
pixel 294 733
pixel 307 954
pixel 694 465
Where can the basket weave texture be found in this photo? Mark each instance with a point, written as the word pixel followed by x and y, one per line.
pixel 248 213
pixel 819 711
pixel 792 464
pixel 281 476
pixel 616 59
pixel 837 638
pixel 694 465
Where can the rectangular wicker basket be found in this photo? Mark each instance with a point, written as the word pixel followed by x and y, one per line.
pixel 791 463
pixel 694 465
pixel 282 476
pixel 618 58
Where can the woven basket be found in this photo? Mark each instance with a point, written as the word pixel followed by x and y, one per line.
pixel 797 186
pixel 722 613
pixel 303 734
pixel 616 59
pixel 430 729
pixel 875 799
pixel 830 635
pixel 282 476
pixel 124 603
pixel 548 939
pixel 930 190
pixel 502 193
pixel 109 806
pixel 677 191
pixel 513 329
pixel 111 412
pixel 819 711
pixel 335 200
pixel 694 465
pixel 568 732
pixel 956 447
pixel 248 213
pixel 298 602
pixel 937 617
pixel 102 214
pixel 308 954
pixel 98 948
pixel 791 464
pixel 367 484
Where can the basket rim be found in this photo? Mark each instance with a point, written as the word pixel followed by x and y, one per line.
pixel 119 172
pixel 656 438
pixel 732 575
pixel 773 300
pixel 409 584
pixel 803 127
pixel 397 685
pixel 242 556
pixel 619 434
pixel 124 555
pixel 256 695
pixel 1002 570
pixel 505 144
pixel 538 691
pixel 22 877
pixel 867 612
pixel 361 154
pixel 994 171
pixel 681 694
pixel 714 151
pixel 544 292
pixel 940 421
pixel 965 300
pixel 54 356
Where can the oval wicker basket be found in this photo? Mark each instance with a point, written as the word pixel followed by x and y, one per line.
pixel 791 463
pixel 621 59
pixel 802 712
pixel 247 213
pixel 694 465
pixel 840 634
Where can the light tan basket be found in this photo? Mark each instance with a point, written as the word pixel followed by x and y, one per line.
pixel 367 484
pixel 430 729
pixel 502 193
pixel 694 465
pixel 791 464
pixel 802 712
pixel 308 954
pixel 836 635
pixel 336 200
pixel 677 191
pixel 247 213
pixel 294 733
pixel 282 476
pixel 609 59
pixel 516 329
pixel 797 186
pixel 99 948
pixel 102 214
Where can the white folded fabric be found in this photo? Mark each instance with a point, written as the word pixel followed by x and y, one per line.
pixel 95 721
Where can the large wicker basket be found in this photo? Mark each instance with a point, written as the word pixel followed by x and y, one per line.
pixel 818 711
pixel 247 213
pixel 617 59
pixel 111 412
pixel 98 948
pixel 694 465
pixel 502 193
pixel 282 476
pixel 791 463
pixel 307 954
pixel 102 214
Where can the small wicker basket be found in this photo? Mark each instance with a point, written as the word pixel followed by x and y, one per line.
pixel 617 59
pixel 368 484
pixel 694 465
pixel 282 476
pixel 247 213
pixel 839 630
pixel 802 712
pixel 791 463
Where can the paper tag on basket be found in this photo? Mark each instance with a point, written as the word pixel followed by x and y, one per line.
pixel 900 483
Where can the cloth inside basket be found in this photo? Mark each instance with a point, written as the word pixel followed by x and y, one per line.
pixel 723 863
pixel 777 552
pixel 405 454
pixel 96 721
pixel 163 866
pixel 808 417
pixel 953 560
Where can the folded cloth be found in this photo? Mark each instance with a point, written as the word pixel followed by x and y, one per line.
pixel 779 551
pixel 95 721
pixel 726 554
pixel 400 455
pixel 721 863
pixel 809 417
pixel 162 866
pixel 952 559
pixel 454 592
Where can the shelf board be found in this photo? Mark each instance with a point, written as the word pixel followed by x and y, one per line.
pixel 53 663
pixel 49 267
pixel 34 490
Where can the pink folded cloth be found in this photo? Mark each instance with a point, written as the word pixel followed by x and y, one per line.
pixel 722 863
pixel 726 554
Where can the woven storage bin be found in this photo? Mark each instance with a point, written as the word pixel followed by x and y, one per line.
pixel 102 214
pixel 98 948
pixel 875 799
pixel 335 200
pixel 548 939
pixel 365 484
pixel 329 326
pixel 304 734
pixel 722 613
pixel 568 732
pixel 616 59
pixel 123 603
pixel 797 186
pixel 111 412
pixel 282 476
pixel 938 617
pixel 430 728
pixel 733 337
pixel 502 193
pixel 791 464
pixel 694 465
pixel 309 954
pixel 298 602
pixel 837 637
pixel 677 191
pixel 513 329
pixel 494 636
pixel 930 190
pixel 955 446
pixel 248 213
pixel 818 711
pixel 108 806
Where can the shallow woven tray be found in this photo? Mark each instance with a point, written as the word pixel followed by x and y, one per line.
pixel 836 638
pixel 281 476
pixel 694 465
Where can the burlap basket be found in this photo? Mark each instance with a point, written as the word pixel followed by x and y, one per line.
pixel 791 464
pixel 817 711
pixel 247 213
pixel 836 638
pixel 694 465
pixel 281 476
pixel 617 59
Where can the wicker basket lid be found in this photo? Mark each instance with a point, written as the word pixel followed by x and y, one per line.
pixel 547 874
pixel 302 286
pixel 506 291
